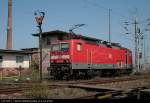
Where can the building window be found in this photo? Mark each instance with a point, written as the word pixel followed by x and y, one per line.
pixel 19 59
pixel 1 59
pixel 79 47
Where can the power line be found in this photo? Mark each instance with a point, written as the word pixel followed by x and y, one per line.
pixel 105 8
pixel 109 27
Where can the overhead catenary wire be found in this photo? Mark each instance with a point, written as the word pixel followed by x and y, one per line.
pixel 114 12
pixel 129 21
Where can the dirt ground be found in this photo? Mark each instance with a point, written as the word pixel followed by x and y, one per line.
pixel 68 93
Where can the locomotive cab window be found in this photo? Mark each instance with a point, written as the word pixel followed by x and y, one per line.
pixel 64 46
pixel 55 47
pixel 79 47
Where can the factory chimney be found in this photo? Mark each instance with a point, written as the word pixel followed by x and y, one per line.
pixel 9 26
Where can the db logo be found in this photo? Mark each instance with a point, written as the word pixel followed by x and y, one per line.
pixel 110 56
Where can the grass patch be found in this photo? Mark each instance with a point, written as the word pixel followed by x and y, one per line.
pixel 37 91
pixel 42 91
pixel 67 93
pixel 10 79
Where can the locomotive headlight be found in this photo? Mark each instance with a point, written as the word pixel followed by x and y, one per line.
pixel 65 57
pixel 54 57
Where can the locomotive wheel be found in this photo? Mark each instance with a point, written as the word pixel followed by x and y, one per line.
pixel 66 73
pixel 81 75
pixel 107 72
pixel 98 73
pixel 58 74
pixel 91 73
pixel 53 73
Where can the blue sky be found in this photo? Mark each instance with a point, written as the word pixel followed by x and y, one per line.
pixel 63 14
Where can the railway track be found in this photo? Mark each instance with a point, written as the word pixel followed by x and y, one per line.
pixel 134 93
pixel 101 80
pixel 11 90
pixel 19 87
pixel 100 95
pixel 92 81
pixel 122 93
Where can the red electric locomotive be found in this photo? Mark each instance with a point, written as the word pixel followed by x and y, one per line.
pixel 85 57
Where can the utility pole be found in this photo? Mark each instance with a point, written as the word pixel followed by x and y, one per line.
pixel 142 53
pixel 135 38
pixel 139 44
pixel 109 27
pixel 145 60
pixel 39 16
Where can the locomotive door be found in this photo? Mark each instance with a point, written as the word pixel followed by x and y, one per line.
pixel 127 54
pixel 120 64
pixel 89 59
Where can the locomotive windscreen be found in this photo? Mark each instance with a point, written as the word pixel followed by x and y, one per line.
pixel 60 47
pixel 64 46
pixel 55 47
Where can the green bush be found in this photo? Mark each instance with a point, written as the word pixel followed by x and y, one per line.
pixel 34 67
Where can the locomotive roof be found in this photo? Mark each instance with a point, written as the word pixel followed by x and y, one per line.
pixel 78 36
pixel 56 32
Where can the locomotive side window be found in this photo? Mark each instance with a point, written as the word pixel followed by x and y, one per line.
pixel 55 47
pixel 64 46
pixel 79 47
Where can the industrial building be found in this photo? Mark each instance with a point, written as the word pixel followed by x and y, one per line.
pixel 13 60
